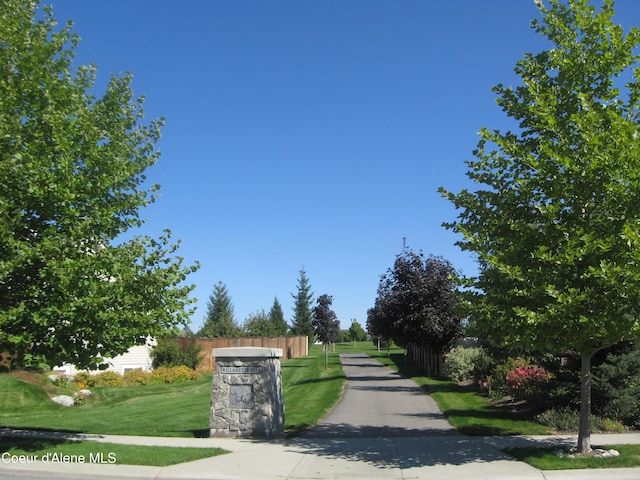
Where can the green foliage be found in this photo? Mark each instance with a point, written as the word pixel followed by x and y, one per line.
pixel 177 374
pixel 565 419
pixel 276 317
pixel 170 353
pixel 259 325
pixel 356 332
pixel 219 321
pixel 556 220
pixel 107 379
pixel 136 377
pixel 71 183
pixel 616 387
pixel 302 314
pixel 84 380
pixel 461 363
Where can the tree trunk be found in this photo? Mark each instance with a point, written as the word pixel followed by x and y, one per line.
pixel 584 432
pixel 326 356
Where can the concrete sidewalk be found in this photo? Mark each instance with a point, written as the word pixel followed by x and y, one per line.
pixel 427 457
pixel 384 427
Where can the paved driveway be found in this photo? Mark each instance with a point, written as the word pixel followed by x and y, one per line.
pixel 378 402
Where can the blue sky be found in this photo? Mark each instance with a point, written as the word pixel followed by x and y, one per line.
pixel 309 133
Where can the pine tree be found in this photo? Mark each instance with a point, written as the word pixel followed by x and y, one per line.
pixel 301 322
pixel 219 321
pixel 276 317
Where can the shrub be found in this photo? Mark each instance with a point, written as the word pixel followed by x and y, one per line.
pixel 527 382
pixel 171 353
pixel 84 380
pixel 108 379
pixel 616 387
pixel 61 379
pixel 497 380
pixel 136 377
pixel 174 374
pixel 565 419
pixel 82 398
pixel 461 363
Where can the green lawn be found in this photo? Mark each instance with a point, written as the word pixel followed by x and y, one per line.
pixel 310 389
pixel 547 459
pixel 54 451
pixel 172 410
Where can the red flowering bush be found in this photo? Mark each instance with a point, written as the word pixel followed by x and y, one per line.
pixel 527 382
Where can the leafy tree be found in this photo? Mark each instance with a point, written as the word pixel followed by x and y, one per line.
pixel 219 321
pixel 72 287
pixel 325 323
pixel 302 314
pixel 356 332
pixel 259 325
pixel 556 226
pixel 276 317
pixel 417 302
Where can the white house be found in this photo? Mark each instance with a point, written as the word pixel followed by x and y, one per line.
pixel 138 357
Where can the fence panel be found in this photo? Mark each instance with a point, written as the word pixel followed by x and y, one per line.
pixel 292 347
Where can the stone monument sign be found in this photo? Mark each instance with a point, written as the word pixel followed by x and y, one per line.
pixel 246 393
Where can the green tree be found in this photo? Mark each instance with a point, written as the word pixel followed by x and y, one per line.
pixel 556 226
pixel 276 317
pixel 356 332
pixel 72 182
pixel 325 323
pixel 259 325
pixel 302 314
pixel 219 321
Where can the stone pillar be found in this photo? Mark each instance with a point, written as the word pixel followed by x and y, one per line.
pixel 246 393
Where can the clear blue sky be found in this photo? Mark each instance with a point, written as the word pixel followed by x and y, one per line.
pixel 309 133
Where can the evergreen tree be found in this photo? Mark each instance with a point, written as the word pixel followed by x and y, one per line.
pixel 302 314
pixel 276 317
pixel 219 321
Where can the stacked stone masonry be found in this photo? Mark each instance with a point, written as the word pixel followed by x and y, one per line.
pixel 246 393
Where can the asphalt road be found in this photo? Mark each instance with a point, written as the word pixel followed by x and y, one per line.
pixel 378 402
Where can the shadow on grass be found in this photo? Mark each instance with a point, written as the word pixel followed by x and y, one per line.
pixel 32 444
pixel 319 380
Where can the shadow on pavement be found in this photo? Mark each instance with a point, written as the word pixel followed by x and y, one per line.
pixel 405 451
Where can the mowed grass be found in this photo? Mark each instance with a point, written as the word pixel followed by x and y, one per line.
pixel 173 410
pixel 310 389
pixel 69 451
pixel 548 459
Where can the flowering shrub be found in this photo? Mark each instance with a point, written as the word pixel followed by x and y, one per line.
pixel 136 377
pixel 527 382
pixel 84 380
pixel 108 379
pixel 174 374
pixel 461 362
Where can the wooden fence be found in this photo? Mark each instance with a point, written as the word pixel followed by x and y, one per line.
pixel 427 358
pixel 292 347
